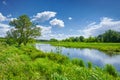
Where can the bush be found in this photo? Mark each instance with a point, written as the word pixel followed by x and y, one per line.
pixel 81 63
pixel 59 69
pixel 36 55
pixel 57 57
pixel 56 76
pixel 78 62
pixel 89 65
pixel 111 70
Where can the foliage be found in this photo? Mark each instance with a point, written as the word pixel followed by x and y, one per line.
pixel 2 39
pixel 72 39
pixel 111 70
pixel 57 57
pixel 53 40
pixel 24 30
pixel 56 76
pixel 89 65
pixel 110 48
pixel 27 63
pixel 108 36
pixel 78 62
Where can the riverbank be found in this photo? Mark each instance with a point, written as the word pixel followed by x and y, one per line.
pixel 110 48
pixel 28 63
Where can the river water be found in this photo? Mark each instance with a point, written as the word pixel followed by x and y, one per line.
pixel 98 58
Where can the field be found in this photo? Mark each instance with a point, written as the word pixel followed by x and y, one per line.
pixel 27 63
pixel 110 48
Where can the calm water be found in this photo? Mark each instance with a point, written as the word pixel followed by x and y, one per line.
pixel 97 57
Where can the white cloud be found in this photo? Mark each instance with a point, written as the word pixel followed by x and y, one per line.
pixel 4 25
pixel 2 18
pixel 58 36
pixel 11 19
pixel 4 2
pixel 44 16
pixel 70 18
pixel 47 33
pixel 45 30
pixel 9 15
pixel 105 24
pixel 6 18
pixel 51 35
pixel 3 29
pixel 57 22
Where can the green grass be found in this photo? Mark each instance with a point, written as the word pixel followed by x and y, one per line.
pixel 27 63
pixel 110 48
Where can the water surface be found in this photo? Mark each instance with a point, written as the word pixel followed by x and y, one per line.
pixel 97 57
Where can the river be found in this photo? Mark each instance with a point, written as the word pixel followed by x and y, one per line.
pixel 98 58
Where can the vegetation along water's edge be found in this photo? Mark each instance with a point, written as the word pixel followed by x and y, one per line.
pixel 109 48
pixel 28 63
pixel 109 42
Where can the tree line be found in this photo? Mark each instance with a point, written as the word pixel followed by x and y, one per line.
pixel 108 36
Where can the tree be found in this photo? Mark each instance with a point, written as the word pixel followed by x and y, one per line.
pixel 109 36
pixel 24 30
pixel 53 40
pixel 81 39
pixel 91 39
pixel 100 38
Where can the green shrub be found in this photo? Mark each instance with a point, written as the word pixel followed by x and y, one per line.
pixel 56 76
pixel 81 63
pixel 36 55
pixel 78 62
pixel 75 61
pixel 89 65
pixel 59 69
pixel 111 70
pixel 57 57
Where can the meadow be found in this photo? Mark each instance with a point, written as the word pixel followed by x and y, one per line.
pixel 110 48
pixel 28 63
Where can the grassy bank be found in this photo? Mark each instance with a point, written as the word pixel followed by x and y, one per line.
pixel 27 63
pixel 110 48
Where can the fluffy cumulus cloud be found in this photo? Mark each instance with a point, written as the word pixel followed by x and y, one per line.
pixel 44 16
pixel 53 35
pixel 45 30
pixel 2 18
pixel 57 22
pixel 3 29
pixel 94 29
pixel 48 34
pixel 6 18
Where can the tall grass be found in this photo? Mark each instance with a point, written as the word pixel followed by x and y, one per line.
pixel 89 65
pixel 27 63
pixel 111 70
pixel 78 62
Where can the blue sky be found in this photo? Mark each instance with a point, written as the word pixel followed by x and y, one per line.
pixel 63 18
